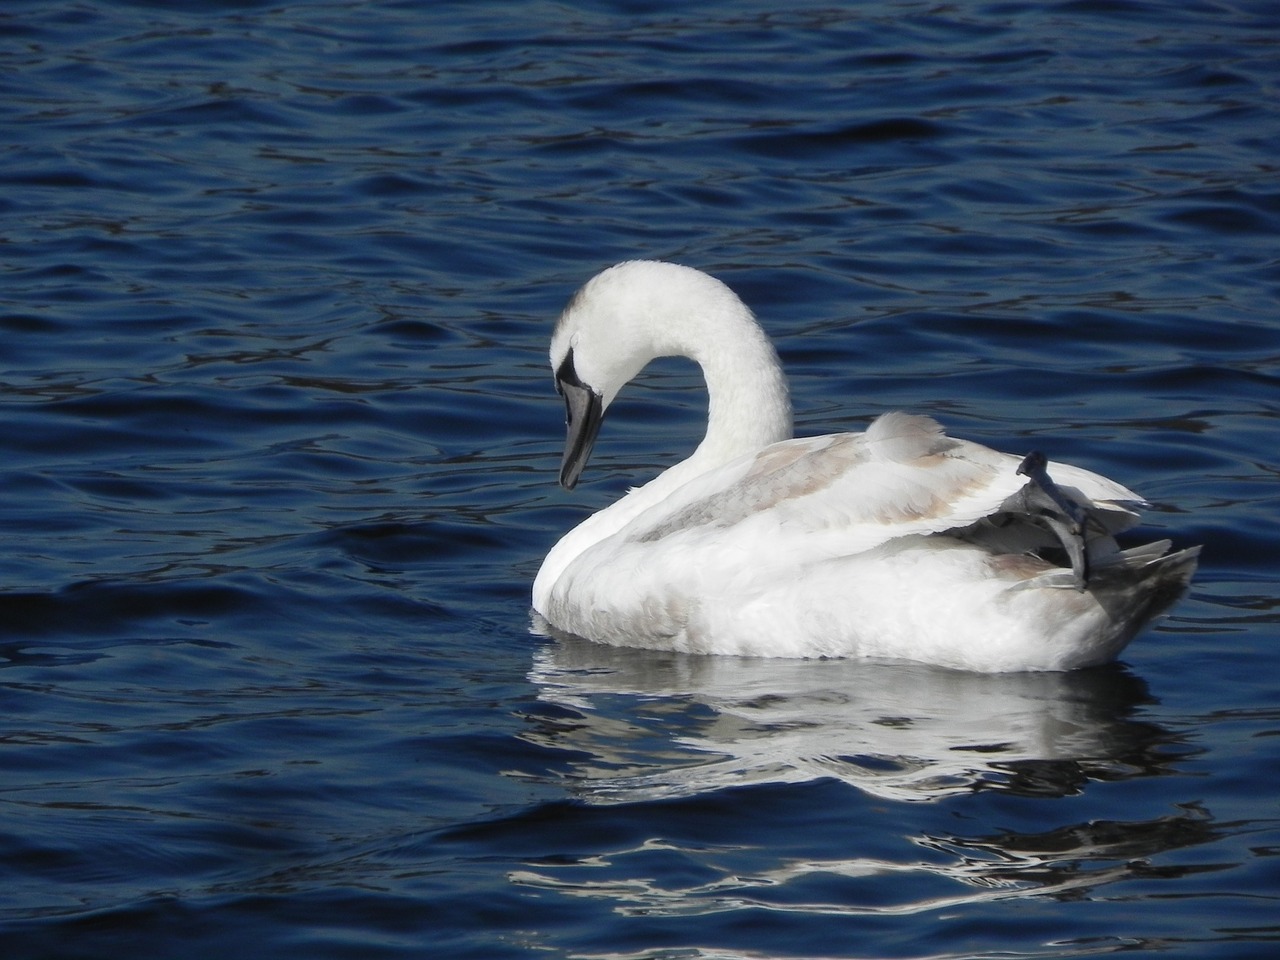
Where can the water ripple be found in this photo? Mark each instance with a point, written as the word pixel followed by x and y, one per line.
pixel 279 444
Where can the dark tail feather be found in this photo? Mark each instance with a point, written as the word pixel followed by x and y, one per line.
pixel 1143 582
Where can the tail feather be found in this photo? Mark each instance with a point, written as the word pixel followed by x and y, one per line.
pixel 1145 576
pixel 1139 584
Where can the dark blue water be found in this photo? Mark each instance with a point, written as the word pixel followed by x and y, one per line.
pixel 278 448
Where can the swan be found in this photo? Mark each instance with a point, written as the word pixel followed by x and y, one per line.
pixel 896 543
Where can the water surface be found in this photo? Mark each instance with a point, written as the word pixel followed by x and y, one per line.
pixel 278 451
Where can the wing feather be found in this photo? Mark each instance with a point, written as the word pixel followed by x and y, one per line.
pixel 854 491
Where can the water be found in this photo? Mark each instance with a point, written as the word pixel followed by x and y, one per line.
pixel 279 447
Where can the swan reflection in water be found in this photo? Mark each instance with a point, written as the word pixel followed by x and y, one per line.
pixel 635 727
pixel 661 725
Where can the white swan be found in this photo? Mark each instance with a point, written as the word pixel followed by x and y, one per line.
pixel 897 543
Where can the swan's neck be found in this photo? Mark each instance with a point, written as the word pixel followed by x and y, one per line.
pixel 749 406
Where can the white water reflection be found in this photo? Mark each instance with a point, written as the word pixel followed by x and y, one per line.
pixel 636 726
pixel 948 872
pixel 647 725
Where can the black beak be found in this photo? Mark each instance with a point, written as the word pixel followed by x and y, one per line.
pixel 584 411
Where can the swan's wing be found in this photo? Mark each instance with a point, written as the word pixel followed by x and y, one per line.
pixel 902 477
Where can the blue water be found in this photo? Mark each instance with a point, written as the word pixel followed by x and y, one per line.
pixel 278 449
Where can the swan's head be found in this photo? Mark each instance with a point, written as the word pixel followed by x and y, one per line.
pixel 622 318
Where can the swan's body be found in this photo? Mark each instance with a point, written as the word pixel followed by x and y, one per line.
pixel 899 542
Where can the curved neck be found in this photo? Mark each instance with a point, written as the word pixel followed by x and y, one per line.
pixel 749 408
pixel 750 405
